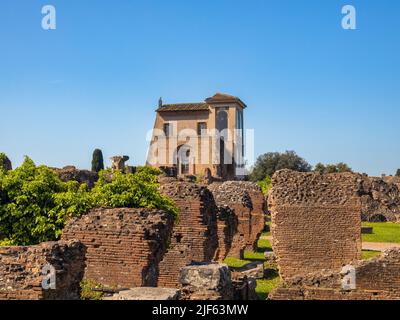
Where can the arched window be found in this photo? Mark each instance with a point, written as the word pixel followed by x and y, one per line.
pixel 222 120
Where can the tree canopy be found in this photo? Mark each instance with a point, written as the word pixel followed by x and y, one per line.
pixel 97 161
pixel 332 168
pixel 267 164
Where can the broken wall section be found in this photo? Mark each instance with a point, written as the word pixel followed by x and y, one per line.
pixel 316 221
pixel 375 279
pixel 124 245
pixel 21 271
pixel 194 237
pixel 380 198
pixel 240 216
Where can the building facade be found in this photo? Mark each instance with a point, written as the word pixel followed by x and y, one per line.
pixel 200 138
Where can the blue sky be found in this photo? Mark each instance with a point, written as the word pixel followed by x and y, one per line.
pixel 329 94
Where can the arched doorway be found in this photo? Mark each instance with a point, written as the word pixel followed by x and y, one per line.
pixel 184 159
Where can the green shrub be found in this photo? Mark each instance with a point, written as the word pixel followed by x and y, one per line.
pixel 265 184
pixel 27 203
pixel 89 292
pixel 35 204
pixel 139 190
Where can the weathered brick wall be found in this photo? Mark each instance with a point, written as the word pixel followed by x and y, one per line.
pixel 316 221
pixel 257 213
pixel 376 279
pixel 21 267
pixel 227 228
pixel 380 199
pixel 194 237
pixel 124 246
pixel 70 173
pixel 241 218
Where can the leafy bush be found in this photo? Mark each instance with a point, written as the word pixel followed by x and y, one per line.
pixel 89 290
pixel 28 197
pixel 35 204
pixel 265 184
pixel 138 190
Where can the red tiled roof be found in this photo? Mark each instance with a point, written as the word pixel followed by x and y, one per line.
pixel 218 98
pixel 224 98
pixel 184 107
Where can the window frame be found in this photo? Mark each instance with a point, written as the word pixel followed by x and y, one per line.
pixel 199 129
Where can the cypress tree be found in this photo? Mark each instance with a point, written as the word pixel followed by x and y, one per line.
pixel 97 161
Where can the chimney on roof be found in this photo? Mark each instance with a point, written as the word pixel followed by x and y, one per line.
pixel 160 103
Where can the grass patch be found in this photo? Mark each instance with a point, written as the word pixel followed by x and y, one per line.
pixel 263 245
pixel 257 256
pixel 265 286
pixel 382 232
pixel 235 262
pixel 267 234
pixel 369 254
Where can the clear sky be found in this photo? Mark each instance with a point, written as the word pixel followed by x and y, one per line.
pixel 329 94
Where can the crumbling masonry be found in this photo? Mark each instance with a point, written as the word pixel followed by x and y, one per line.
pixel 127 248
pixel 124 246
pixel 375 279
pixel 316 232
pixel 316 221
pixel 194 237
pixel 240 207
pixel 21 271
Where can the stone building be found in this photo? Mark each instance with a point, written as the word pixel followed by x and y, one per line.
pixel 193 138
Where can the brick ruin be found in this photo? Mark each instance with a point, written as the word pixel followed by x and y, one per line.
pixel 380 198
pixel 138 247
pixel 316 221
pixel 194 237
pixel 127 248
pixel 71 173
pixel 240 212
pixel 124 246
pixel 375 279
pixel 21 271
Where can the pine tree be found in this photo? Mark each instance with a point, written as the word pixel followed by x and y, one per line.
pixel 97 161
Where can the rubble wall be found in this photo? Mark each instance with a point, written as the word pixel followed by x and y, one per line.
pixel 124 246
pixel 241 216
pixel 21 271
pixel 316 221
pixel 375 279
pixel 194 236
